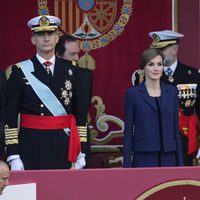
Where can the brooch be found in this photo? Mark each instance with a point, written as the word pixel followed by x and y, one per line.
pixel 66 92
pixel 171 79
pixel 70 72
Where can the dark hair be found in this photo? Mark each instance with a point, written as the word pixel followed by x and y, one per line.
pixel 148 55
pixel 60 46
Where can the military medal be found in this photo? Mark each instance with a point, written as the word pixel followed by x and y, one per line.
pixel 187 94
pixel 66 92
pixel 170 79
pixel 70 72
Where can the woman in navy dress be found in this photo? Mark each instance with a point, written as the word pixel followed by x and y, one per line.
pixel 151 136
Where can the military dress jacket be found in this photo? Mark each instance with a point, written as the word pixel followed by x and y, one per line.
pixel 185 74
pixel 142 132
pixel 41 149
pixel 86 82
pixel 184 78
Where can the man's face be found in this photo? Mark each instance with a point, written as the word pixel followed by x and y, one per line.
pixel 45 42
pixel 170 55
pixel 71 51
pixel 4 175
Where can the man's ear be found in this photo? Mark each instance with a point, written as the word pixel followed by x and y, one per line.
pixel 175 48
pixel 33 40
pixel 57 38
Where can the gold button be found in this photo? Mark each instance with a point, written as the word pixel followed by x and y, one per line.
pixel 42 114
pixel 41 105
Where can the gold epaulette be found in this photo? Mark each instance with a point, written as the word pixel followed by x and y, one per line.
pixel 82 130
pixel 141 75
pixel 18 65
pixel 11 135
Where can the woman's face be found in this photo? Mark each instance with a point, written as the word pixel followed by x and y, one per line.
pixel 153 70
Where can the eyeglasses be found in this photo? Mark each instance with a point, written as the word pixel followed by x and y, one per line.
pixel 4 179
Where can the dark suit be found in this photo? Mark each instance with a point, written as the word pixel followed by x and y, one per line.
pixel 186 75
pixel 2 92
pixel 41 149
pixel 142 131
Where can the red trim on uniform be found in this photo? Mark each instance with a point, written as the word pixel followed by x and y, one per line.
pixel 52 123
pixel 189 127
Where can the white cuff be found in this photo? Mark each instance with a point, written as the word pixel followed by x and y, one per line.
pixel 16 164
pixel 80 163
pixel 198 154
pixel 12 157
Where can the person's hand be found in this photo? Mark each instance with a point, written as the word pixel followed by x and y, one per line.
pixel 198 154
pixel 72 165
pixel 16 164
pixel 80 163
pixel 198 158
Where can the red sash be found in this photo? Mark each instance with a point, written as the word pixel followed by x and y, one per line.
pixel 52 123
pixel 189 127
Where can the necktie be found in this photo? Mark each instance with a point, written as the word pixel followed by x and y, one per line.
pixel 169 71
pixel 47 67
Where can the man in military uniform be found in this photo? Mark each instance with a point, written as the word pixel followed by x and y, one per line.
pixel 187 80
pixel 68 48
pixel 45 91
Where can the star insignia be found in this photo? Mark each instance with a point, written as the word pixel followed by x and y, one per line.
pixel 70 72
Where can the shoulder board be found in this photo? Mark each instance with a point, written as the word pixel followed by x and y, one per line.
pixel 17 64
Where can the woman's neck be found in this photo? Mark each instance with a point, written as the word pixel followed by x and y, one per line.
pixel 153 88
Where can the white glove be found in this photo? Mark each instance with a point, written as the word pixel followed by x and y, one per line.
pixel 80 163
pixel 198 154
pixel 16 164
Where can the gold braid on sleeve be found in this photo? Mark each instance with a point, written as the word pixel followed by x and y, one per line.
pixel 82 130
pixel 11 135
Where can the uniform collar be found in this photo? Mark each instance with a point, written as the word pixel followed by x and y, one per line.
pixel 42 60
pixel 172 67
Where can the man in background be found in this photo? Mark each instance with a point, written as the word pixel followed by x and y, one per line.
pixel 4 176
pixel 187 81
pixel 68 49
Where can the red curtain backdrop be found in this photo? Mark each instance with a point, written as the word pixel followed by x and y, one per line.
pixel 189 25
pixel 115 63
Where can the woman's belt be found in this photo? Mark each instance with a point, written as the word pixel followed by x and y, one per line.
pixel 52 123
